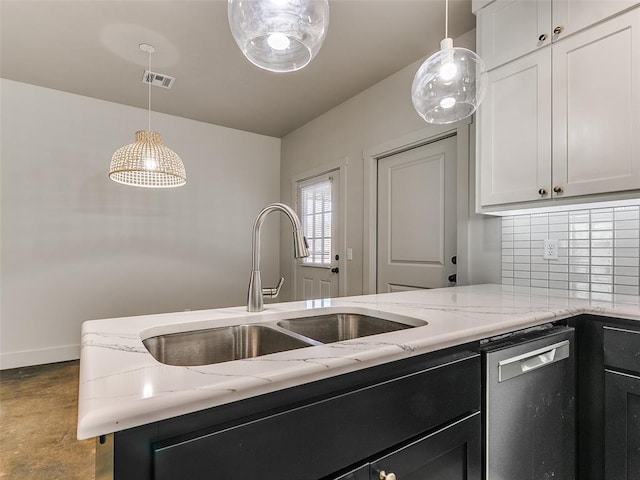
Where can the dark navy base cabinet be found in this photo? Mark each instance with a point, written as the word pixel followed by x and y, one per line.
pixel 417 418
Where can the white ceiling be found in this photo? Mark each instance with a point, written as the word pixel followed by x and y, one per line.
pixel 90 47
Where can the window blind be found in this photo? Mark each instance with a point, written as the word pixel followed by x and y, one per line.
pixel 316 211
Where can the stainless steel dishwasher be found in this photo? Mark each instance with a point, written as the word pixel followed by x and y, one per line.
pixel 529 411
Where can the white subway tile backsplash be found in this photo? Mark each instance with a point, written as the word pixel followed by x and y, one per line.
pixel 627 224
pixel 626 214
pixel 627 242
pixel 584 235
pixel 602 226
pixel 517 237
pixel 522 220
pixel 622 280
pixel 579 216
pixel 628 271
pixel 559 268
pixel 627 252
pixel 602 287
pixel 601 270
pixel 540 267
pixel 626 289
pixel 599 253
pixel 626 262
pixel 604 243
pixel 602 261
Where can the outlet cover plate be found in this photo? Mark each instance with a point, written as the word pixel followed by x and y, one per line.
pixel 550 251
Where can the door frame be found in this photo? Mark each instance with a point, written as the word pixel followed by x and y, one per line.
pixel 463 131
pixel 341 247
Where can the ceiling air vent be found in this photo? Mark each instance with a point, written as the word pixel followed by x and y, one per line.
pixel 158 79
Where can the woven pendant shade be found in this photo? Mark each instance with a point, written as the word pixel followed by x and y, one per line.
pixel 147 163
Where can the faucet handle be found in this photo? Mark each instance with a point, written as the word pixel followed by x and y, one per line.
pixel 273 292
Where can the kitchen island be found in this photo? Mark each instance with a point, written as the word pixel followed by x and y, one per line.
pixel 122 386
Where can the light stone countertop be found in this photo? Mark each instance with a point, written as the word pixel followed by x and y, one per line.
pixel 123 386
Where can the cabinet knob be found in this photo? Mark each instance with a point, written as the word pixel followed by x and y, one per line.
pixel 387 476
pixel 557 189
pixel 542 192
pixel 558 30
pixel 542 37
pixel 335 270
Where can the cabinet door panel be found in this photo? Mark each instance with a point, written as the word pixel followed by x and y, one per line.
pixel 317 439
pixel 515 132
pixel 622 426
pixel 452 453
pixel 596 108
pixel 574 15
pixel 508 29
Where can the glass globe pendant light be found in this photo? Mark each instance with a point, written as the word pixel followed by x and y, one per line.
pixel 450 84
pixel 279 35
pixel 147 162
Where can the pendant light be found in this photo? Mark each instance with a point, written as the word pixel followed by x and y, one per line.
pixel 279 35
pixel 450 84
pixel 147 162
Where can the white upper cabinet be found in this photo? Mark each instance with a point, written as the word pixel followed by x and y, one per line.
pixel 514 144
pixel 508 29
pixel 596 108
pixel 562 120
pixel 570 16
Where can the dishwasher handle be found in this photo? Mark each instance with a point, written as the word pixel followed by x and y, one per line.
pixel 527 362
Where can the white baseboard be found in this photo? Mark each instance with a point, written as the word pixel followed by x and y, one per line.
pixel 40 356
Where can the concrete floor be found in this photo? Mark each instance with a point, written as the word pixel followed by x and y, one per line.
pixel 38 417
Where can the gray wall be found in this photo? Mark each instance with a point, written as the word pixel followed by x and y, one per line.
pixel 77 246
pixel 380 114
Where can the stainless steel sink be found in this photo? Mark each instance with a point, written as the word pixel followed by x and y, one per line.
pixel 342 326
pixel 202 347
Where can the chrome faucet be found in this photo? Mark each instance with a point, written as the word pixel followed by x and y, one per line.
pixel 255 299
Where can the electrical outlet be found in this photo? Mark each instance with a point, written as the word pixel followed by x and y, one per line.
pixel 550 249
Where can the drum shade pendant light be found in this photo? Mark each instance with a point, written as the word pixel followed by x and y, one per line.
pixel 147 162
pixel 450 84
pixel 279 35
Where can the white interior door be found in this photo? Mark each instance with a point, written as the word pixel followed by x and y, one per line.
pixel 317 276
pixel 417 217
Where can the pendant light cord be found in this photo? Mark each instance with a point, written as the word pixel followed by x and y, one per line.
pixel 446 18
pixel 149 85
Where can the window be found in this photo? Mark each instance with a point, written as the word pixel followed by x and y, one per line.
pixel 315 206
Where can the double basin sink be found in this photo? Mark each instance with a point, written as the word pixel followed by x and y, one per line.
pixel 236 342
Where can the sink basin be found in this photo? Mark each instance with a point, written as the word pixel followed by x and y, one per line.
pixel 342 326
pixel 202 347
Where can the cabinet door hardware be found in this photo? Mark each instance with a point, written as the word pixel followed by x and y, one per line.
pixel 335 270
pixel 542 192
pixel 387 476
pixel 558 30
pixel 542 37
pixel 557 189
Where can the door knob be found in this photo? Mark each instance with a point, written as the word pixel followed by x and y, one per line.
pixel 542 192
pixel 542 37
pixel 557 189
pixel 387 476
pixel 335 270
pixel 558 30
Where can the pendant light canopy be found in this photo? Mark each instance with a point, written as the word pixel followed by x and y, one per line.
pixel 279 35
pixel 147 162
pixel 450 84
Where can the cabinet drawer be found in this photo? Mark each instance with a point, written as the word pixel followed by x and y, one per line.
pixel 317 439
pixel 622 348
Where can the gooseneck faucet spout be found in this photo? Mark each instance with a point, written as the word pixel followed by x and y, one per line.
pixel 255 300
